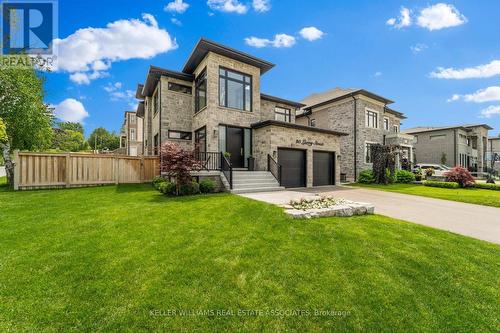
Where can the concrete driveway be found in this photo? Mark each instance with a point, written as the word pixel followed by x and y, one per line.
pixel 476 221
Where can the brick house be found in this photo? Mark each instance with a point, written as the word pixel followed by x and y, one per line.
pixel 367 119
pixel 131 135
pixel 251 139
pixel 464 145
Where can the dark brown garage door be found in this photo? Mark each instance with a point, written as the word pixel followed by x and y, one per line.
pixel 293 167
pixel 323 168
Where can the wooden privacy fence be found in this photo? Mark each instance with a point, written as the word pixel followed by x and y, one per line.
pixel 45 170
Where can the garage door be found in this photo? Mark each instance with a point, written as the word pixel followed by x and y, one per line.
pixel 293 167
pixel 323 168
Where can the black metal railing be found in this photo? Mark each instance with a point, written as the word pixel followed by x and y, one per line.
pixel 209 161
pixel 274 167
pixel 227 169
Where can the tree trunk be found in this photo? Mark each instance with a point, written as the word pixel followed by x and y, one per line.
pixel 9 165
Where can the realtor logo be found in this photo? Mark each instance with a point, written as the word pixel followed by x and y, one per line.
pixel 28 27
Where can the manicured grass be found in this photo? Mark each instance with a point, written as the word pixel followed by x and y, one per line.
pixel 119 258
pixel 469 195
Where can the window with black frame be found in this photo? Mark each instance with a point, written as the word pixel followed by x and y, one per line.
pixel 371 119
pixel 282 114
pixel 180 135
pixel 200 139
pixel 235 90
pixel 179 88
pixel 201 91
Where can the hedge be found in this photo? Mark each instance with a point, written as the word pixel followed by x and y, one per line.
pixel 485 186
pixel 441 184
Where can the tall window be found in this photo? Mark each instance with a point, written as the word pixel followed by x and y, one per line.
pixel 156 103
pixel 282 114
pixel 395 128
pixel 371 119
pixel 156 145
pixel 386 123
pixel 132 134
pixel 201 91
pixel 235 90
pixel 200 139
pixel 132 119
pixel 368 152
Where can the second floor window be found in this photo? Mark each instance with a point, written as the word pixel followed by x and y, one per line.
pixel 371 119
pixel 235 90
pixel 156 103
pixel 201 91
pixel 179 88
pixel 282 114
pixel 132 134
pixel 132 118
pixel 386 124
pixel 179 135
pixel 395 128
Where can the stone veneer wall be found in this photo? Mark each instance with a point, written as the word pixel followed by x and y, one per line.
pixel 268 139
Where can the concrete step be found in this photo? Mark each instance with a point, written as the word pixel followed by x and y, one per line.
pixel 255 185
pixel 255 190
pixel 254 180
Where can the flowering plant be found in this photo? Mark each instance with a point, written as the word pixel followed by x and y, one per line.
pixel 323 202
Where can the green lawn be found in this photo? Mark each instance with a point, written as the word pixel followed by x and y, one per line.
pixel 119 258
pixel 469 195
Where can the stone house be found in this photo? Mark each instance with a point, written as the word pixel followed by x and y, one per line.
pixel 131 135
pixel 215 106
pixel 464 145
pixel 367 119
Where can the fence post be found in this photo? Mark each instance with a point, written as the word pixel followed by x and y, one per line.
pixel 17 170
pixel 116 164
pixel 68 167
pixel 143 170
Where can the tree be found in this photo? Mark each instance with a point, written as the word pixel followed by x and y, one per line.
pixel 101 139
pixel 69 140
pixel 178 163
pixel 69 126
pixel 384 163
pixel 28 121
pixel 443 158
pixel 3 137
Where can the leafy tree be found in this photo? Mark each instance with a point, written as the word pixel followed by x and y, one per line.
pixel 443 158
pixel 28 121
pixel 69 126
pixel 178 163
pixel 460 175
pixel 101 139
pixel 384 163
pixel 69 140
pixel 3 137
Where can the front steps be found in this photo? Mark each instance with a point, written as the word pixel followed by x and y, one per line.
pixel 254 181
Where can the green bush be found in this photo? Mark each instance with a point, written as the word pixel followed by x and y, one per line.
pixel 441 184
pixel 495 187
pixel 366 177
pixel 405 177
pixel 207 186
pixel 157 181
pixel 166 188
pixel 189 189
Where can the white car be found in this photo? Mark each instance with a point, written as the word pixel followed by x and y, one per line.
pixel 439 169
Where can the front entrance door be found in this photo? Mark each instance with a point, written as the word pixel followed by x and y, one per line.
pixel 235 146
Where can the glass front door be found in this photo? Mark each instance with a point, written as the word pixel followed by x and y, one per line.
pixel 236 141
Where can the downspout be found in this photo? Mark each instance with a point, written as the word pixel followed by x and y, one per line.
pixel 355 138
pixel 159 118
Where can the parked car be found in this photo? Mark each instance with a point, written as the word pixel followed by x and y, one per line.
pixel 439 169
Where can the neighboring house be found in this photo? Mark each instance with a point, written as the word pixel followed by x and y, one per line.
pixel 464 145
pixel 493 151
pixel 367 119
pixel 215 105
pixel 131 135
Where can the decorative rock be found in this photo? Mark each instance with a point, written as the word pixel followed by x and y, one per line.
pixel 345 210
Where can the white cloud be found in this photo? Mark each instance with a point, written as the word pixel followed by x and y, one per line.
pixel 176 6
pixel 481 71
pixel 280 40
pixel 489 94
pixel 311 33
pixel 404 19
pixel 176 21
pixel 70 110
pixel 117 94
pixel 417 48
pixel 440 16
pixel 377 74
pixel 493 110
pixel 228 6
pixel 261 6
pixel 89 52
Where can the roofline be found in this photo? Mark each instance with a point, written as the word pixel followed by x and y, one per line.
pixel 488 127
pixel 171 73
pixel 444 128
pixel 266 123
pixel 190 64
pixel 352 94
pixel 396 113
pixel 281 100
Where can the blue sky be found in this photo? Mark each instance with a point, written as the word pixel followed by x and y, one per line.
pixel 360 46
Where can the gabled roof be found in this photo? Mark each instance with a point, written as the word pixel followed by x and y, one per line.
pixel 281 100
pixel 204 46
pixel 154 75
pixel 336 94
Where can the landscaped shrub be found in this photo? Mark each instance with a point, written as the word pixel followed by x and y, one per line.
pixel 189 189
pixel 207 186
pixel 167 188
pixel 403 176
pixel 366 177
pixel 429 172
pixel 157 181
pixel 441 184
pixel 460 175
pixel 495 187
